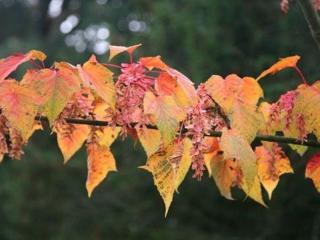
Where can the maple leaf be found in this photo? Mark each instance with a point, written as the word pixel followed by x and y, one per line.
pixel 167 114
pixel 272 163
pixel 306 106
pixel 288 62
pixel 172 82
pixel 169 167
pixel 150 139
pixel 70 142
pixel 116 50
pixel 227 172
pixel 100 163
pixel 19 104
pixel 56 88
pixel 313 170
pixel 223 171
pixel 153 62
pixel 238 98
pixel 9 64
pixel 254 191
pixel 100 79
pixel 235 146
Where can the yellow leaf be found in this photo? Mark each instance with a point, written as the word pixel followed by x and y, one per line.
pixel 167 113
pixel 184 164
pixel 234 146
pixel 254 191
pixel 107 135
pixel 288 62
pixel 100 163
pixel 272 163
pixel 150 140
pixel 169 167
pixel 238 98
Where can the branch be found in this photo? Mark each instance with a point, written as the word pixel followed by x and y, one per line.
pixel 267 138
pixel 312 18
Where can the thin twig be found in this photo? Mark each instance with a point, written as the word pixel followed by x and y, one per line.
pixel 267 138
pixel 312 18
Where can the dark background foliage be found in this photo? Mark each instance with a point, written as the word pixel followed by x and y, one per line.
pixel 43 199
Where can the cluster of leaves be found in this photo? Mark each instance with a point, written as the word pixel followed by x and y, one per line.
pixel 160 107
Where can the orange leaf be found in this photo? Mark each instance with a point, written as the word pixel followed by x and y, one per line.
pixel 272 163
pixel 100 163
pixel 288 62
pixel 313 170
pixel 223 171
pixel 70 138
pixel 19 105
pixel 153 62
pixel 9 64
pixel 116 50
pixel 99 78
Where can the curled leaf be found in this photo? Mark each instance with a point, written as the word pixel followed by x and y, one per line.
pixel 9 64
pixel 283 63
pixel 116 50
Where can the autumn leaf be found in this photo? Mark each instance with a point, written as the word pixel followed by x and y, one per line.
pixel 10 64
pixel 288 62
pixel 100 163
pixel 272 163
pixel 238 98
pixel 100 79
pixel 116 50
pixel 153 62
pixel 169 167
pixel 235 146
pixel 71 138
pixel 19 104
pixel 313 170
pixel 167 114
pixel 150 140
pixel 254 191
pixel 223 171
pixel 172 82
pixel 56 88
pixel 306 106
pixel 107 135
pixel 182 90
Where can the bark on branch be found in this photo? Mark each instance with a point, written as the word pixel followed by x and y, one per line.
pixel 268 138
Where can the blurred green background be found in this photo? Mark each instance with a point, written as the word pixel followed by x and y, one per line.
pixel 43 199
